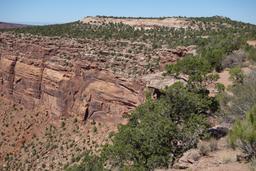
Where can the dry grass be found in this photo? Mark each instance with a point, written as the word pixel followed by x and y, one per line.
pixel 253 164
pixel 204 148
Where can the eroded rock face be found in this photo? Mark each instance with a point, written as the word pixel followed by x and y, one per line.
pixel 33 74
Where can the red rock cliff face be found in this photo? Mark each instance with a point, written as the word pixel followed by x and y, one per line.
pixel 56 75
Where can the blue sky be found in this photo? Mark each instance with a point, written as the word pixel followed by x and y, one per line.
pixel 59 11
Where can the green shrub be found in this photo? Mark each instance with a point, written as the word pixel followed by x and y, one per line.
pixel 243 133
pixel 214 56
pixel 94 129
pixel 220 87
pixel 212 77
pixel 194 66
pixel 62 124
pixel 194 71
pixel 236 75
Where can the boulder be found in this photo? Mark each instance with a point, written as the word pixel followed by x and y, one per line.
pixel 219 131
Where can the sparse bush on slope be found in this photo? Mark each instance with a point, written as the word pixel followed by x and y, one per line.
pixel 243 133
pixel 251 53
pixel 89 162
pixel 241 99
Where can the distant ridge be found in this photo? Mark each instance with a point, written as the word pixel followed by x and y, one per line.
pixel 4 25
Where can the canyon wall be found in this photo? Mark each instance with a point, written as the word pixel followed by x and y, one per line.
pixel 92 78
pixel 35 73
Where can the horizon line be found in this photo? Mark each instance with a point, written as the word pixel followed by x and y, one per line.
pixel 117 16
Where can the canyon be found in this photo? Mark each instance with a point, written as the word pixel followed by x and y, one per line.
pixel 68 89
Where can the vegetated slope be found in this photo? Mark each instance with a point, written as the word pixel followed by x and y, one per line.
pixel 210 30
pixel 175 115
